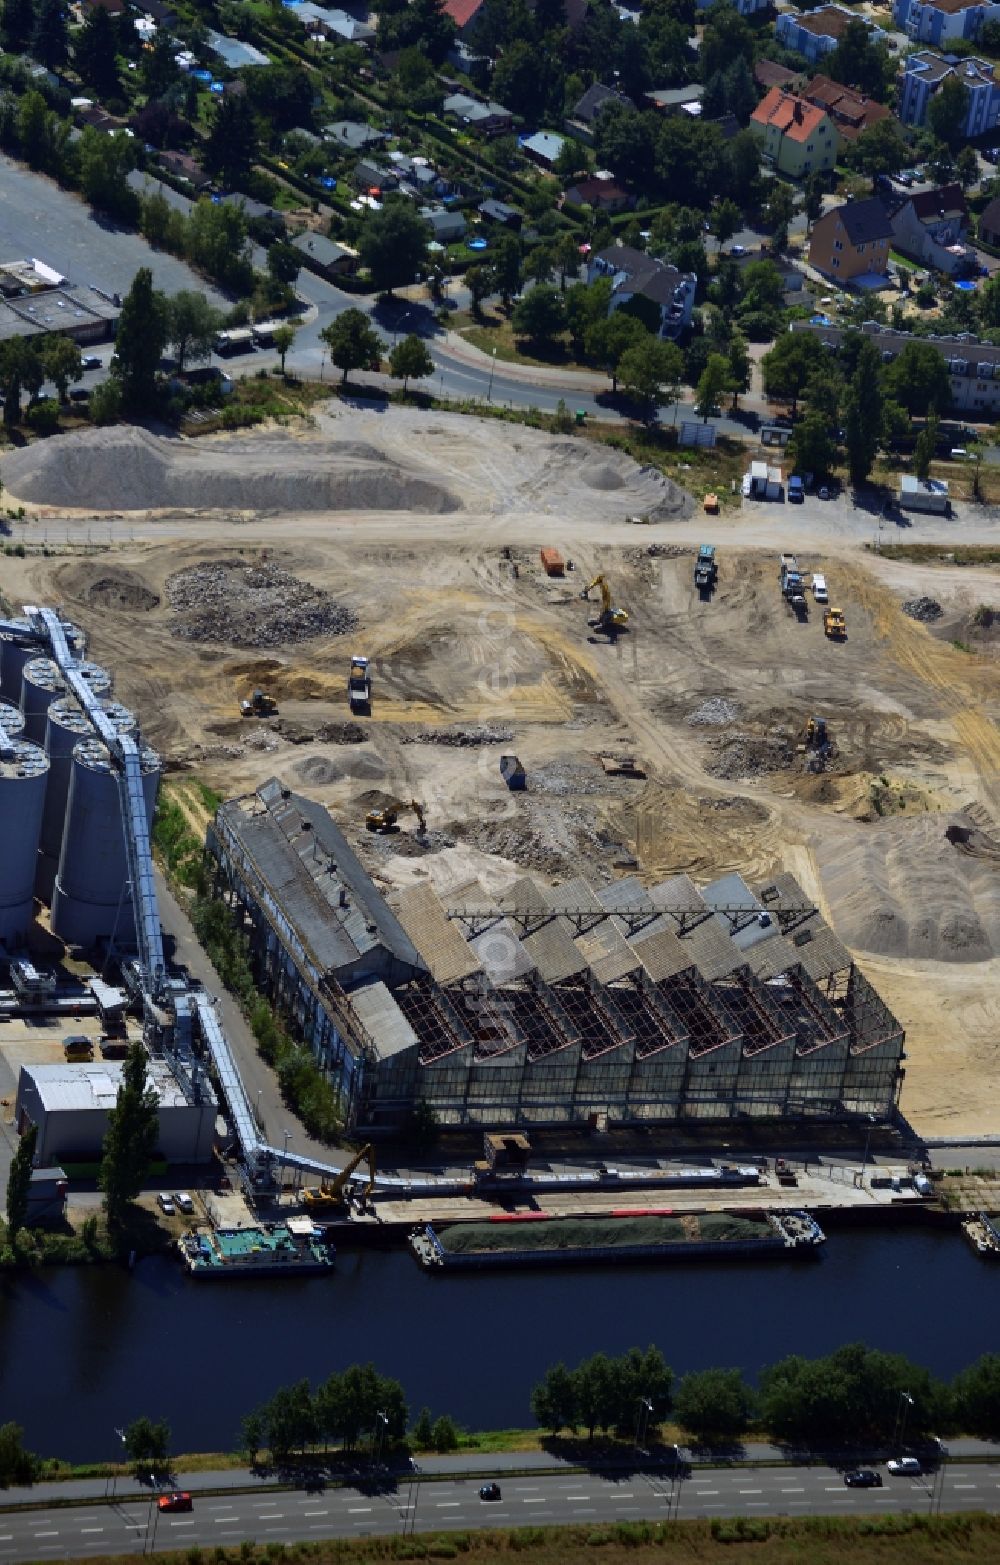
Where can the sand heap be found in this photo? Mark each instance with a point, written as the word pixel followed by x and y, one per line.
pixel 129 469
pixel 915 889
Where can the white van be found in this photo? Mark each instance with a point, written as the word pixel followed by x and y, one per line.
pixel 819 588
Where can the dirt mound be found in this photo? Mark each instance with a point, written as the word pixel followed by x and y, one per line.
pixel 715 712
pixel 746 755
pixel 120 590
pixel 601 475
pixel 319 771
pixel 251 606
pixel 924 609
pixel 911 889
pixel 127 469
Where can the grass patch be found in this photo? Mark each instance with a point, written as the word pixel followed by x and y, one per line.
pixel 494 332
pixel 904 262
pixel 933 554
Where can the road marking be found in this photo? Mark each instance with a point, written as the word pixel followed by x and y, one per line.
pixel 447 1505
pixel 965 1486
pixel 520 1488
pixel 751 1491
pixel 315 1513
pixel 834 1488
pixel 91 1529
pixel 577 1497
pixel 220 1520
pixel 540 1501
pixel 700 1494
pixel 355 1510
pixel 270 1516
pixel 794 1491
pixel 191 1523
pixel 45 1535
pixel 626 1494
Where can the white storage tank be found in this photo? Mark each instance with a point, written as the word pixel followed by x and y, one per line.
pixel 23 770
pixel 91 900
pixel 65 725
pixel 14 656
pixel 41 684
pixel 11 720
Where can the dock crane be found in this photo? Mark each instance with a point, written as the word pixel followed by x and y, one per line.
pixel 386 818
pixel 610 620
pixel 332 1194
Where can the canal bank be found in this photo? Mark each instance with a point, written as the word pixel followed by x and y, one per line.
pixel 110 1345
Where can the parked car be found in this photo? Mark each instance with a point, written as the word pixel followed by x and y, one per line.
pixel 904 1466
pixel 77 1046
pixel 863 1478
pixel 183 1202
pixel 489 1491
pixel 819 588
pixel 166 1205
pixel 90 361
pixel 179 1500
pixel 738 250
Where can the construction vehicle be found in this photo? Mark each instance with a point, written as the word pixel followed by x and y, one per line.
pixel 706 572
pixel 611 620
pixel 835 625
pixel 710 505
pixel 359 685
pixel 334 1194
pixel 386 818
pixel 792 586
pixel 260 704
pixel 816 735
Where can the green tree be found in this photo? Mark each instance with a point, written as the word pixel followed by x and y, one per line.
pixel 444 1435
pixel 740 367
pixel 410 360
pixel 105 162
pixel 976 1393
pixel 566 257
pixel 812 447
pixel 925 447
pixel 106 402
pixel 863 413
pixel 539 264
pixel 726 220
pixel 713 384
pixel 625 142
pixel 159 68
pixel 479 281
pixel 918 378
pixel 147 1444
pixel 42 136
pixel 967 168
pixel 216 242
pixel 393 245
pixel 586 305
pixel 17 1466
pixel 714 1405
pixel 422 1433
pixel 155 214
pixel 50 41
pixel 133 1123
pixel 860 63
pixel 232 145
pixel 947 112
pixel 95 53
pixel 252 1431
pixel 878 150
pixel 789 365
pixel 850 1396
pixel 611 337
pixel 61 361
pixel 353 342
pixel 19 1181
pixel 651 371
pixel 727 38
pixel 20 370
pixel 540 316
pixel 553 1400
pixel 17 25
pixel 284 263
pixel 192 326
pixel 283 338
pixel 507 272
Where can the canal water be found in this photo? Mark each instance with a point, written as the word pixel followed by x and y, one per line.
pixel 85 1349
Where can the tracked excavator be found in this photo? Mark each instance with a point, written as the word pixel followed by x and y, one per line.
pixel 333 1194
pixel 260 704
pixel 386 818
pixel 610 620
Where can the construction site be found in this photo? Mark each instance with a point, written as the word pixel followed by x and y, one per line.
pixel 583 836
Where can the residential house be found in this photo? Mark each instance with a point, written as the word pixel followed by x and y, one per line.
pixel 544 146
pixel 637 275
pixel 256 211
pixel 465 59
pixel 499 212
pixel 374 178
pixel 989 223
pixel 489 119
pixel 163 15
pixel 235 53
pixel 923 75
pixel 797 138
pixel 601 193
pixel 851 113
pixel 353 136
pixel 767 74
pixel 815 33
pixel 326 256
pixel 447 227
pixel 336 25
pixel 940 22
pixel 464 14
pixel 852 241
pixel 582 121
pixel 973 366
pixel 676 100
pixel 930 226
pixel 183 166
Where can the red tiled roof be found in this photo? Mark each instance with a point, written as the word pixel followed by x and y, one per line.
pixel 770 74
pixel 852 112
pixel 461 11
pixel 795 118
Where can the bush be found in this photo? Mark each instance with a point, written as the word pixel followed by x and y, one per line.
pixel 106 402
pixel 43 416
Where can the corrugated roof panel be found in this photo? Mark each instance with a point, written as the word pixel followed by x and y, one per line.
pixel 385 1023
pixel 662 954
pixel 500 951
pixel 439 940
pixel 711 950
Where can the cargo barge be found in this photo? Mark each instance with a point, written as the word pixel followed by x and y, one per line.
pixel 297 1246
pixel 983 1235
pixel 622 1237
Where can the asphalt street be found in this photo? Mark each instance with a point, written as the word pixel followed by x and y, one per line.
pixel 113 1527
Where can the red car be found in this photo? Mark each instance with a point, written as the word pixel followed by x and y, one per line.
pixel 178 1501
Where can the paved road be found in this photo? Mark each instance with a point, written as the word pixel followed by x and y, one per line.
pixel 117 1528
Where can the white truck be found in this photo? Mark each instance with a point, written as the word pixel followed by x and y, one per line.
pixel 359 685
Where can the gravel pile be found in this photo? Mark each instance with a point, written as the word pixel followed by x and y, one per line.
pixel 716 712
pixel 565 778
pixel 251 606
pixel 924 609
pixel 463 738
pixel 744 755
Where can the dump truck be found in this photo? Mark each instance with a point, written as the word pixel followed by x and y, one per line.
pixel 706 571
pixel 260 704
pixel 792 586
pixel 359 685
pixel 835 625
pixel 553 563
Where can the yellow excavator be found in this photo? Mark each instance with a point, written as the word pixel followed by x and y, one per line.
pixel 611 620
pixel 386 818
pixel 332 1194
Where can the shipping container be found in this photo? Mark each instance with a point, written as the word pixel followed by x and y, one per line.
pixel 552 562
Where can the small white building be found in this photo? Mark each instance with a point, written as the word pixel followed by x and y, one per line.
pixel 70 1104
pixel 924 494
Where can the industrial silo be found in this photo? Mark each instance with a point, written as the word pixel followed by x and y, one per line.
pixel 11 720
pixel 41 684
pixel 91 899
pixel 66 724
pixel 14 655
pixel 23 769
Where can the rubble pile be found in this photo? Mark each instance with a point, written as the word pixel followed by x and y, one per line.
pixel 924 609
pixel 255 605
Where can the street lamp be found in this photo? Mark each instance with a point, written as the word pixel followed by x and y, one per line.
pixel 644 1409
pixel 113 1481
pixel 381 1431
pixel 493 365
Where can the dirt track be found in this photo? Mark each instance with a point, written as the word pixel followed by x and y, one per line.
pixel 458 640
